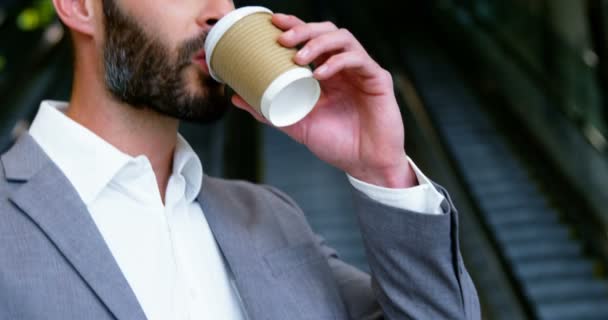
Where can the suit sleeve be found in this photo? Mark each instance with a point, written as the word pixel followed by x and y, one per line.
pixel 417 271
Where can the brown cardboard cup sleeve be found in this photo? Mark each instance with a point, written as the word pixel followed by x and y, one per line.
pixel 242 51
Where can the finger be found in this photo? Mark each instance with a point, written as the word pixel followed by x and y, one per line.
pixel 357 61
pixel 335 41
pixel 304 32
pixel 240 103
pixel 285 21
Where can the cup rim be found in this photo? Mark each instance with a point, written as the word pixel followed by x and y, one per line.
pixel 303 107
pixel 221 27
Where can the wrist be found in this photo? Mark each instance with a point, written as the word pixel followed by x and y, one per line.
pixel 398 176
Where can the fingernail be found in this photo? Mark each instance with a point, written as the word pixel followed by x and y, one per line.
pixel 321 70
pixel 303 53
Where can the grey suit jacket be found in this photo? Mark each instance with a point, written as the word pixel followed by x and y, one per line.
pixel 55 265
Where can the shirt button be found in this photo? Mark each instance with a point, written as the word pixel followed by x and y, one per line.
pixel 193 293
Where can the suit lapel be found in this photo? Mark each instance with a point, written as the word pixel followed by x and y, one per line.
pixel 242 242
pixel 49 199
pixel 234 241
pixel 263 261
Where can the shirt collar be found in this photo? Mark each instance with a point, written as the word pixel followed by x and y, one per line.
pixel 187 163
pixel 89 162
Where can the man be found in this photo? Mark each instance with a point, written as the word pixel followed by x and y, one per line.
pixel 106 213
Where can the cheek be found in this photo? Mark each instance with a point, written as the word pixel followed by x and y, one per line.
pixel 168 21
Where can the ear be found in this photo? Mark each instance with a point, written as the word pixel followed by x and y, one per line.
pixel 78 15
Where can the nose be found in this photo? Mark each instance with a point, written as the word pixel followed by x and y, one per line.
pixel 213 11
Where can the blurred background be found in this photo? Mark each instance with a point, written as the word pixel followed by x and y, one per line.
pixel 505 103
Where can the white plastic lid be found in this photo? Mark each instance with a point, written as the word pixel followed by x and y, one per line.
pixel 290 97
pixel 221 27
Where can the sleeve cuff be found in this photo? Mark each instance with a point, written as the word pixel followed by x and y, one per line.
pixel 423 198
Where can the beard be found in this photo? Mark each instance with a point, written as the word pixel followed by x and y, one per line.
pixel 141 72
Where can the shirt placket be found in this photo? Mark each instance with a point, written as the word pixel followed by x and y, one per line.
pixel 173 213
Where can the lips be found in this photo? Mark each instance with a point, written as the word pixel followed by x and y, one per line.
pixel 200 59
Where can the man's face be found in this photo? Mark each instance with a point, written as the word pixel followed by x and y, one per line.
pixel 156 69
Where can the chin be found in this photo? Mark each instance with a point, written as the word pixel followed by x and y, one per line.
pixel 197 83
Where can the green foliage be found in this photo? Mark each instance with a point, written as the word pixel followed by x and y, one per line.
pixel 40 14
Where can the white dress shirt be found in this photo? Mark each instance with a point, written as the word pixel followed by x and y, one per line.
pixel 166 252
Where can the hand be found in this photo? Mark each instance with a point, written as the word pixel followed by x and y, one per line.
pixel 356 125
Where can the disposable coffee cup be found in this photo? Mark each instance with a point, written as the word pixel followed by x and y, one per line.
pixel 242 50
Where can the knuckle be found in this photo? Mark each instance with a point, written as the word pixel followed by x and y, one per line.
pixel 312 45
pixel 300 30
pixel 386 75
pixel 359 57
pixel 345 32
pixel 330 25
pixel 336 60
pixel 321 41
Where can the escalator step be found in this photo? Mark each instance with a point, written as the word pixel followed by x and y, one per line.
pixel 523 252
pixel 574 310
pixel 564 290
pixel 534 232
pixel 506 187
pixel 514 201
pixel 548 269
pixel 510 218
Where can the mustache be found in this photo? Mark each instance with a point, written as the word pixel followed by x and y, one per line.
pixel 189 48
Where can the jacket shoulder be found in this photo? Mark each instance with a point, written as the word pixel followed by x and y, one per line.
pixel 250 194
pixel 261 205
pixel 4 183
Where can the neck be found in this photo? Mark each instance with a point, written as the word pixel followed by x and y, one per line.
pixel 133 131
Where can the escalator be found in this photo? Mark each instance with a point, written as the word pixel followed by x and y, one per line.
pixel 553 274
